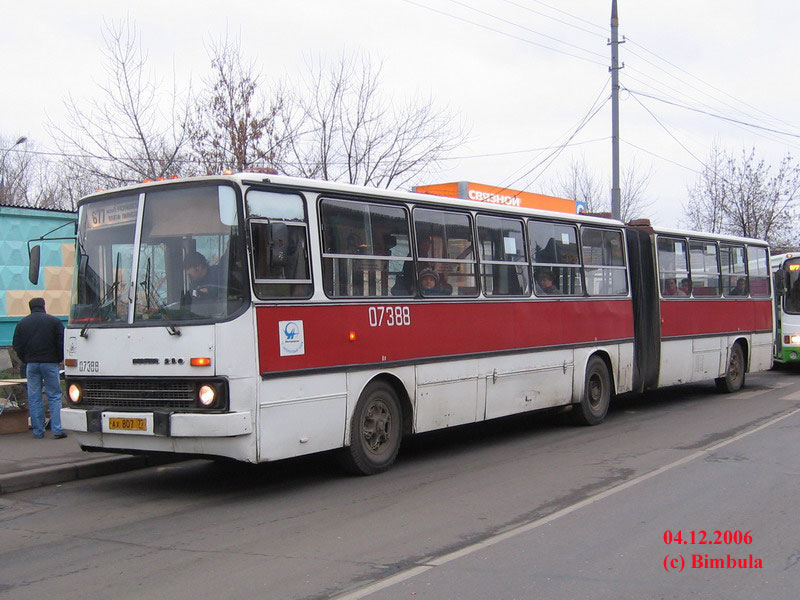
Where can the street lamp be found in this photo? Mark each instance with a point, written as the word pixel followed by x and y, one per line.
pixel 20 140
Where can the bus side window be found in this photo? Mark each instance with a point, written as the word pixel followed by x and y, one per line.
pixel 365 249
pixel 554 254
pixel 734 270
pixel 758 268
pixel 280 259
pixel 444 246
pixel 673 267
pixel 705 274
pixel 279 236
pixel 604 262
pixel 503 261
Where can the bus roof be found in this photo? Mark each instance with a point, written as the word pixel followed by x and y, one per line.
pixel 316 185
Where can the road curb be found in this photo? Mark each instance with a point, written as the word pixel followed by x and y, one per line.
pixel 33 478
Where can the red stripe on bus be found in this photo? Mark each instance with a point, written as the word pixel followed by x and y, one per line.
pixel 688 317
pixel 433 330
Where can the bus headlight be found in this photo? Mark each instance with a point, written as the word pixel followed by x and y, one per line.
pixel 74 392
pixel 795 339
pixel 207 395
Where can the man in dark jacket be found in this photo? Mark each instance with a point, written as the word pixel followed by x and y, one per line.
pixel 39 343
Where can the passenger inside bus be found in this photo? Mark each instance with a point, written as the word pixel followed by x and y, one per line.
pixel 671 288
pixel 685 288
pixel 740 289
pixel 433 284
pixel 545 283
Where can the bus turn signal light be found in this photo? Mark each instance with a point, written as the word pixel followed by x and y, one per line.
pixel 201 361
pixel 352 336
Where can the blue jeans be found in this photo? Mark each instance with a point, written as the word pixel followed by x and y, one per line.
pixel 47 373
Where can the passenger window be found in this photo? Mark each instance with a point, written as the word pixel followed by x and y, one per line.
pixel 758 268
pixel 365 250
pixel 445 253
pixel 554 254
pixel 604 262
pixel 734 271
pixel 279 237
pixel 503 262
pixel 673 268
pixel 704 262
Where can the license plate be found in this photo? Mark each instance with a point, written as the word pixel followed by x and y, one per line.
pixel 128 424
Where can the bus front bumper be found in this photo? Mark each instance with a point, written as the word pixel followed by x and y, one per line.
pixel 167 424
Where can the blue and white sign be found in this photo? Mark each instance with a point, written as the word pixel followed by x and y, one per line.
pixel 290 334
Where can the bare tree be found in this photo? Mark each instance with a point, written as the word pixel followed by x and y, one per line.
pixel 746 196
pixel 579 182
pixel 31 178
pixel 234 126
pixel 124 136
pixel 344 129
pixel 15 172
pixel 634 203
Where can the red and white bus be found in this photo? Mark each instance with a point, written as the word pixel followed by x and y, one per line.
pixel 322 316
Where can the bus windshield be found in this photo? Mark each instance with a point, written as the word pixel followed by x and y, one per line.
pixel 791 302
pixel 188 262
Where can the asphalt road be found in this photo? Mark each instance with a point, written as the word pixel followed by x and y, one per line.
pixel 528 507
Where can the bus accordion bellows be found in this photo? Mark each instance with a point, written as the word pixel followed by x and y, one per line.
pixel 260 317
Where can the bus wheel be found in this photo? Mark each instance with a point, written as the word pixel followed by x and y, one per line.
pixel 592 408
pixel 375 431
pixel 734 377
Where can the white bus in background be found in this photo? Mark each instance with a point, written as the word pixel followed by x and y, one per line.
pixel 786 270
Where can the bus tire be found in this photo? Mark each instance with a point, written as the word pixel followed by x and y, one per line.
pixel 376 430
pixel 734 376
pixel 592 408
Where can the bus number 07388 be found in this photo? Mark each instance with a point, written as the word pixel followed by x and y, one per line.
pixel 391 316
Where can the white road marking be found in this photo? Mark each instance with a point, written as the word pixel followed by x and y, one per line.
pixel 524 528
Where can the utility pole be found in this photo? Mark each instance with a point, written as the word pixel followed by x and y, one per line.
pixel 615 191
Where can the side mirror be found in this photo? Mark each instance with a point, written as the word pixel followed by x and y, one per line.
pixel 33 265
pixel 278 244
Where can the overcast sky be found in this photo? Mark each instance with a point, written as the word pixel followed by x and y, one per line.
pixel 521 74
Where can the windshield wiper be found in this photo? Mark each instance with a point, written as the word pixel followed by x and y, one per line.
pixel 96 308
pixel 149 294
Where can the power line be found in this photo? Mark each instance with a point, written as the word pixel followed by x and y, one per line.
pixel 710 85
pixel 507 22
pixel 581 124
pixel 546 16
pixel 516 37
pixel 677 164
pixel 570 15
pixel 664 127
pixel 511 152
pixel 716 116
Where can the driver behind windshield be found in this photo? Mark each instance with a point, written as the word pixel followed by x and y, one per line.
pixel 203 279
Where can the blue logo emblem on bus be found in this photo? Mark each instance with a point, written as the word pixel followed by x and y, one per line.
pixel 290 334
pixel 290 331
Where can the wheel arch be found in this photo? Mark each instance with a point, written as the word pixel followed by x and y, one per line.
pixel 402 395
pixel 603 354
pixel 743 342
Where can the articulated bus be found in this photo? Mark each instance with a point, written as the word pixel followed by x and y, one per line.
pixel 260 317
pixel 786 271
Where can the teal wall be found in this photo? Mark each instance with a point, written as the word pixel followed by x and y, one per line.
pixel 17 226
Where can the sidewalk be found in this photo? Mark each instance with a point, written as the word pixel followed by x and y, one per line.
pixel 26 462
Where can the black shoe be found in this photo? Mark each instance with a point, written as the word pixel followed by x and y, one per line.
pixel 59 436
